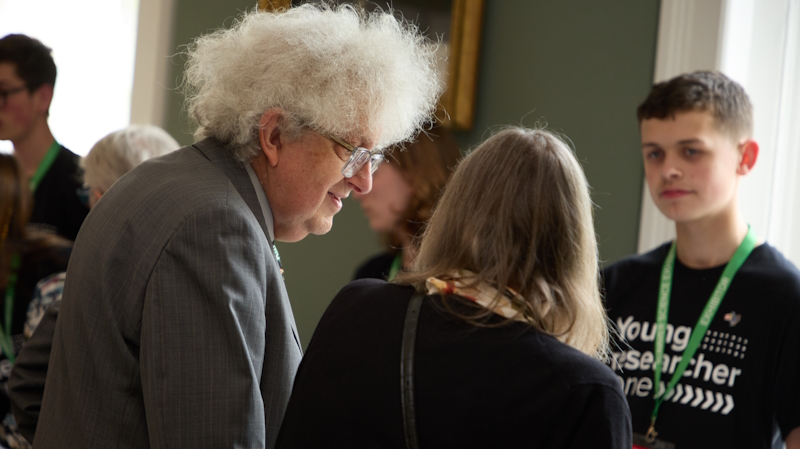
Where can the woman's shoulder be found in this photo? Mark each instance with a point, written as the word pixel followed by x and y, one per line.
pixel 364 292
pixel 376 267
pixel 46 251
pixel 576 367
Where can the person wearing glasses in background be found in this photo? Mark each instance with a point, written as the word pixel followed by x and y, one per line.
pixel 27 79
pixel 175 328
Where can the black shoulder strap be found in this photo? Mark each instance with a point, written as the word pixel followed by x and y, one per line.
pixel 407 370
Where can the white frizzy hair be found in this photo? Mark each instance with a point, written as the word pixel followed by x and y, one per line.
pixel 332 69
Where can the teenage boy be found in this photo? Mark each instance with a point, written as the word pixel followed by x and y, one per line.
pixel 708 350
pixel 27 79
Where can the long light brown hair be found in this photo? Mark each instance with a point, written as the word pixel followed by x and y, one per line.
pixel 518 214
pixel 15 202
pixel 16 205
pixel 426 165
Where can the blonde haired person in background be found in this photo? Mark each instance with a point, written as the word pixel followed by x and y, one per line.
pixel 511 330
pixel 109 159
pixel 175 329
pixel 117 153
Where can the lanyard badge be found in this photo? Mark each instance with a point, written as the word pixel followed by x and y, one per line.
pixel 662 311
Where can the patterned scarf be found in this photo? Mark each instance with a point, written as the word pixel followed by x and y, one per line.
pixel 509 305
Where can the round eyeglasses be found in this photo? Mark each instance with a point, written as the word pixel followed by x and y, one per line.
pixel 359 156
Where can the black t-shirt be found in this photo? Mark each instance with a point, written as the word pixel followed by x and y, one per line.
pixel 743 383
pixel 377 267
pixel 56 204
pixel 474 387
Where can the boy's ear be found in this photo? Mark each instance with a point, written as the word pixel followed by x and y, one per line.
pixel 270 135
pixel 748 151
pixel 44 95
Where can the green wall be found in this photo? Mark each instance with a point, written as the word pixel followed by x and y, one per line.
pixel 582 66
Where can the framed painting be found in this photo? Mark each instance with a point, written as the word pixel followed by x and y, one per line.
pixel 458 23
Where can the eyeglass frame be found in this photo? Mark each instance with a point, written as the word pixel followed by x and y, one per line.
pixel 5 93
pixel 353 166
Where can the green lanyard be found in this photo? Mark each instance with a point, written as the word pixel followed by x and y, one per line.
pixel 44 166
pixel 741 254
pixel 395 267
pixel 5 331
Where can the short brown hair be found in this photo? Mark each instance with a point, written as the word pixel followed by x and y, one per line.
pixel 517 213
pixel 704 90
pixel 426 165
pixel 33 60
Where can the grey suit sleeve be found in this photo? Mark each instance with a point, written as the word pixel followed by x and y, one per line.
pixel 26 384
pixel 203 335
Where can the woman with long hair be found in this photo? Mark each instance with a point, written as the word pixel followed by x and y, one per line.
pixel 494 339
pixel 404 190
pixel 26 256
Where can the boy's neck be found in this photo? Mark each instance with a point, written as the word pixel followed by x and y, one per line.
pixel 710 241
pixel 31 149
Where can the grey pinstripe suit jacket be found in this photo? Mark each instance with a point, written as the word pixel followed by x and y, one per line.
pixel 175 329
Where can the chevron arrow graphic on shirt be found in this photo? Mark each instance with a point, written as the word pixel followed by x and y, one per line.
pixel 720 402
pixel 709 400
pixel 671 392
pixel 689 395
pixel 729 406
pixel 678 392
pixel 699 398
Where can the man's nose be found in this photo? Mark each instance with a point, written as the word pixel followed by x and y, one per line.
pixel 362 180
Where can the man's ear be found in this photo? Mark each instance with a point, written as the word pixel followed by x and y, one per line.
pixel 270 135
pixel 749 154
pixel 44 96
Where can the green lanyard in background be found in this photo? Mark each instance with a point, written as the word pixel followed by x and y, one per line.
pixel 6 342
pixel 398 260
pixel 44 166
pixel 662 311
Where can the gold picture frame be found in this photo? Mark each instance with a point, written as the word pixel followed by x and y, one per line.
pixel 273 5
pixel 457 105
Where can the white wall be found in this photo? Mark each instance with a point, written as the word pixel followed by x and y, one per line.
pixel 757 44
pixel 93 44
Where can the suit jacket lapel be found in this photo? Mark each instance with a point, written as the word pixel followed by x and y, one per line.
pixel 215 152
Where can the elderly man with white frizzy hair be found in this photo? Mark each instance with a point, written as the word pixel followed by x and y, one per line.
pixel 175 328
pixel 338 71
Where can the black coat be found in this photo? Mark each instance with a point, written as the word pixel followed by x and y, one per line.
pixel 503 386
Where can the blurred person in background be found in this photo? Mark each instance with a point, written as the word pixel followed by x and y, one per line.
pixel 175 328
pixel 497 334
pixel 404 191
pixel 117 153
pixel 27 80
pixel 109 159
pixel 26 256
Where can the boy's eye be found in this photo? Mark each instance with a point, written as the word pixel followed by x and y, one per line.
pixel 691 152
pixel 654 154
